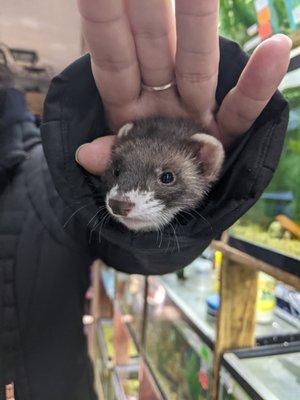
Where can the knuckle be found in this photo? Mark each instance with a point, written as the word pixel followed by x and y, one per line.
pixel 196 77
pixel 95 19
pixel 112 65
pixel 150 33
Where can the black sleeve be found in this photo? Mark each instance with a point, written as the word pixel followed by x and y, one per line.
pixel 21 155
pixel 74 115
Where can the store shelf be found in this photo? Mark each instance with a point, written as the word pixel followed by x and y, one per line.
pixel 178 351
pixel 276 258
pixel 245 260
pixel 190 296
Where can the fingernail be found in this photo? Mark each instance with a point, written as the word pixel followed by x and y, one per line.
pixel 77 152
pixel 290 41
pixel 280 36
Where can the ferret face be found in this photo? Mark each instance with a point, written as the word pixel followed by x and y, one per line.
pixel 153 176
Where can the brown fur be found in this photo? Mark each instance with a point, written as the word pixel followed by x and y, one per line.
pixel 155 145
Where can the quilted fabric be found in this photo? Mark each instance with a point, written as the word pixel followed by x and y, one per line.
pixel 43 278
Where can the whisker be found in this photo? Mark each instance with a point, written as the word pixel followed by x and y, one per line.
pixel 96 224
pixel 75 212
pixel 104 221
pixel 201 216
pixel 161 237
pixel 99 211
pixel 175 236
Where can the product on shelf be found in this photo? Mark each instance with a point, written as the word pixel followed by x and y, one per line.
pixel 288 303
pixel 266 301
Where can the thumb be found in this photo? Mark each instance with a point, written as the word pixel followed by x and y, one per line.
pixel 94 157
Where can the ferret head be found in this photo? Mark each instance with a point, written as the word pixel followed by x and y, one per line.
pixel 159 168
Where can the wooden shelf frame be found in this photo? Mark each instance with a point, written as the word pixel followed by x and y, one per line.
pixel 238 294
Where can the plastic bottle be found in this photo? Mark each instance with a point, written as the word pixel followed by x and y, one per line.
pixel 217 271
pixel 266 300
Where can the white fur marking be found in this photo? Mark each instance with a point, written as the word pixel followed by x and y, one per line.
pixel 125 130
pixel 147 214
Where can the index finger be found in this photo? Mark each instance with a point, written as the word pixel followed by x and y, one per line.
pixel 256 85
pixel 106 29
pixel 197 59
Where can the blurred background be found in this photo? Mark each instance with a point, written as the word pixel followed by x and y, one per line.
pixel 38 39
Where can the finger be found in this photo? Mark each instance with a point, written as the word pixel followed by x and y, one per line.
pixel 107 32
pixel 197 58
pixel 153 26
pixel 257 84
pixel 95 156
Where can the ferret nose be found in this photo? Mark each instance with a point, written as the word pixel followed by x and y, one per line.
pixel 120 207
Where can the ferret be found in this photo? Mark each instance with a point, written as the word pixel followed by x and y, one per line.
pixel 159 167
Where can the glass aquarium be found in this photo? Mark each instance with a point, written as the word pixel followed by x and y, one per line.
pixel 115 348
pixel 126 383
pixel 148 386
pixel 265 373
pixel 134 383
pixel 248 22
pixel 273 223
pixel 179 359
pixel 107 328
pixel 103 364
pixel 131 295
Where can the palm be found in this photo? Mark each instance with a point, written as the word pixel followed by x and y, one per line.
pixel 136 41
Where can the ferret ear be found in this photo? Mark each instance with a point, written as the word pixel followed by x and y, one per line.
pixel 210 153
pixel 125 130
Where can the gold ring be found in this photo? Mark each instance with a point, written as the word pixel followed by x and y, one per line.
pixel 159 88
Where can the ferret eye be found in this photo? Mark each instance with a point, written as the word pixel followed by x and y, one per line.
pixel 117 172
pixel 167 178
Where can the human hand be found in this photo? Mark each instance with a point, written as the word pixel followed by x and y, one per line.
pixel 135 41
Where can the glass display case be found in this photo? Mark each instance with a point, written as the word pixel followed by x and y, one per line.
pixel 126 385
pixel 178 357
pixel 190 297
pixel 174 346
pixel 134 382
pixel 265 373
pixel 270 230
pixel 182 360
pixel 103 361
pixel 117 360
pixel 131 296
pixel 148 385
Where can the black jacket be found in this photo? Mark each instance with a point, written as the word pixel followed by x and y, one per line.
pixel 43 276
pixel 74 115
pixel 46 240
